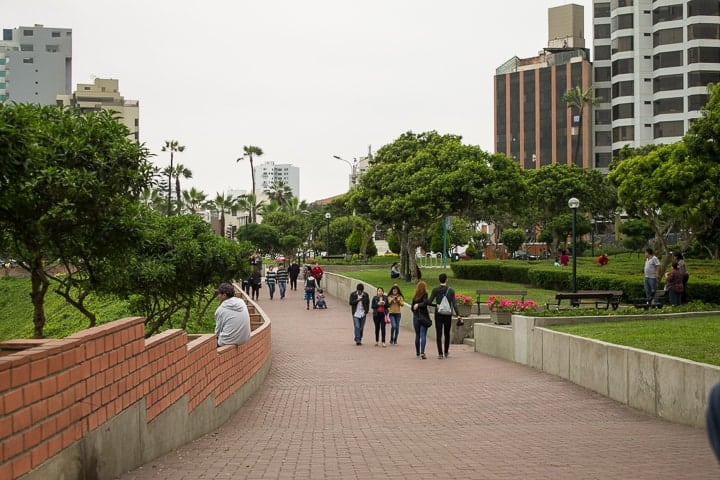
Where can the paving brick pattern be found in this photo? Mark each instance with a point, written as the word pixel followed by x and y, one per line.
pixel 332 410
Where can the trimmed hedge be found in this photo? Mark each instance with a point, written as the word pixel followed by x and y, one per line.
pixel 560 279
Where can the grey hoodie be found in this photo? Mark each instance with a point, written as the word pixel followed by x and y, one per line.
pixel 232 322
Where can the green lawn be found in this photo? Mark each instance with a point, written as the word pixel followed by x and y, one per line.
pixel 695 339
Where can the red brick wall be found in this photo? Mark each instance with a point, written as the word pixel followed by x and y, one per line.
pixel 53 392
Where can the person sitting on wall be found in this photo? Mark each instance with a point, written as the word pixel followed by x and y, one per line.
pixel 232 319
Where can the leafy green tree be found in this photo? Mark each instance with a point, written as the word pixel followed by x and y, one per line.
pixel 171 146
pixel 295 225
pixel 194 199
pixel 513 238
pixel 561 227
pixel 69 189
pixel 393 241
pixel 263 236
pixel 637 234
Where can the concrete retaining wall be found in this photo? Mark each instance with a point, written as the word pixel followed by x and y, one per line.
pixel 672 388
pixel 106 400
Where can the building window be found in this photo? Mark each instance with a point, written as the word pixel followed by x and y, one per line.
pixel 668 36
pixel 602 94
pixel 668 82
pixel 602 31
pixel 697 102
pixel 622 22
pixel 55 34
pixel 624 110
pixel 28 33
pixel 621 3
pixel 602 74
pixel 704 55
pixel 28 60
pixel 667 14
pixel 702 78
pixel 667 59
pixel 602 117
pixel 602 10
pixel 52 48
pixel 603 159
pixel 626 65
pixel 669 129
pixel 624 134
pixel 623 89
pixel 602 52
pixel 708 31
pixel 26 48
pixel 668 105
pixel 622 44
pixel 603 139
pixel 710 8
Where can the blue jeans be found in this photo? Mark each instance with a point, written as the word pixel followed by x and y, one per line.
pixel 651 284
pixel 359 326
pixel 394 326
pixel 271 289
pixel 282 289
pixel 420 335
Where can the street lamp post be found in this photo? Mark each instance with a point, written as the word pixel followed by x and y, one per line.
pixel 574 203
pixel 353 168
pixel 327 246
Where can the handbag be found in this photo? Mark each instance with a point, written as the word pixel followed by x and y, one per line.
pixel 424 319
pixel 387 318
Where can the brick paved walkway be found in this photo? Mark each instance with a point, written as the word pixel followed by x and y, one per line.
pixel 333 410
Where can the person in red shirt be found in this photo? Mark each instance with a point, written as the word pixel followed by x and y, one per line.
pixel 564 258
pixel 602 260
pixel 317 272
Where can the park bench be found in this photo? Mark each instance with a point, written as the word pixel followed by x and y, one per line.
pixel 341 256
pixel 494 293
pixel 660 298
pixel 597 299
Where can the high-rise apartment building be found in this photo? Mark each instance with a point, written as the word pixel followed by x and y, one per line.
pixel 35 64
pixel 533 123
pixel 653 62
pixel 105 94
pixel 270 172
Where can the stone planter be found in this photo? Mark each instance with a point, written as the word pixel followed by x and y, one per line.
pixel 501 318
pixel 464 310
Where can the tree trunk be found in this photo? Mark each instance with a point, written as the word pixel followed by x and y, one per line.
pixel 40 286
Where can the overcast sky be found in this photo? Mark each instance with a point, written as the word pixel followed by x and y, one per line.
pixel 303 80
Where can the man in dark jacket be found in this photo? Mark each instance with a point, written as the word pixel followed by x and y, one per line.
pixel 443 321
pixel 293 273
pixel 360 306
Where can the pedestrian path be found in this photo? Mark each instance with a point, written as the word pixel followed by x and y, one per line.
pixel 332 410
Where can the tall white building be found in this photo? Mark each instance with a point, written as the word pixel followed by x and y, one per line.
pixel 35 64
pixel 652 64
pixel 105 94
pixel 270 172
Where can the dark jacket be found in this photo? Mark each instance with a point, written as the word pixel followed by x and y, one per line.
pixel 436 297
pixel 375 304
pixel 294 271
pixel 422 310
pixel 353 301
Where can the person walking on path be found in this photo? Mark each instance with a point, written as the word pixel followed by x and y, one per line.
pixel 317 272
pixel 282 278
pixel 682 268
pixel 255 283
pixel 310 285
pixel 271 280
pixel 359 306
pixel 443 319
pixel 379 306
pixel 674 285
pixel 293 273
pixel 652 274
pixel 396 301
pixel 232 319
pixel 421 318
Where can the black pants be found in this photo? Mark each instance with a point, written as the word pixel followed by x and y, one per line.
pixel 256 292
pixel 293 283
pixel 712 417
pixel 379 320
pixel 442 325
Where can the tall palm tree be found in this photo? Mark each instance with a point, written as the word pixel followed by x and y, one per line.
pixel 180 171
pixel 171 146
pixel 224 204
pixel 250 204
pixel 251 151
pixel 295 205
pixel 280 192
pixel 576 99
pixel 194 199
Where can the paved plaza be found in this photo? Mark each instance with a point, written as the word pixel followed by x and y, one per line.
pixel 332 410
